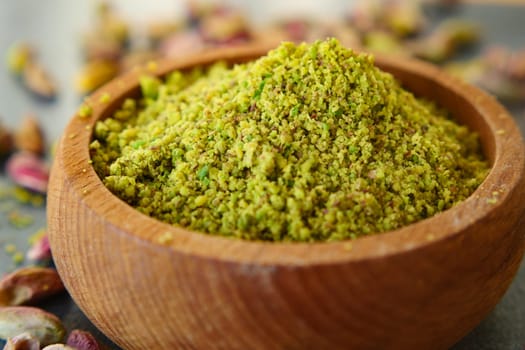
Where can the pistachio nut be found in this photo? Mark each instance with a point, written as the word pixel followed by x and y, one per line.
pixel 28 285
pixel 17 57
pixel 82 340
pixel 24 341
pixel 59 347
pixel 29 136
pixel 183 43
pixel 97 47
pixel 38 80
pixel 29 171
pixel 94 74
pixel 41 325
pixel 225 27
pixel 6 141
pixel 40 251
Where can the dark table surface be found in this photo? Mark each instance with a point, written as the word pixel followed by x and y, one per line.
pixel 55 28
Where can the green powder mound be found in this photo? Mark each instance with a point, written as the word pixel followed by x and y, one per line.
pixel 309 143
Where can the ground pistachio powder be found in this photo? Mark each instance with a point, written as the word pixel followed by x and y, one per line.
pixel 311 142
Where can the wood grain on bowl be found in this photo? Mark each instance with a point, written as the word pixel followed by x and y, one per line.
pixel 149 285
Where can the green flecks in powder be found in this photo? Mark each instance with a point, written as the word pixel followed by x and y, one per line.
pixel 150 86
pixel 203 173
pixel 309 143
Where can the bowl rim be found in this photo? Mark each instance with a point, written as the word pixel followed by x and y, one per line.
pixel 506 152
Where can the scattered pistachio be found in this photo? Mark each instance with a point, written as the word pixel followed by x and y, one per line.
pixel 505 88
pixel 58 347
pixel 24 341
pixel 227 27
pixel 18 56
pixel 404 18
pixel 24 196
pixel 366 15
pixel 510 63
pixel 29 171
pixel 19 220
pixel 6 141
pixel 95 74
pixel 38 80
pixel 40 250
pixel 29 136
pixel 347 35
pixel 82 340
pixel 382 41
pixel 296 29
pixel 17 257
pixel 28 285
pixel 137 58
pixel 110 25
pixel 100 48
pixel 160 30
pixel 22 61
pixel 42 325
pixel 445 40
pixel 199 10
pixel 181 44
pixel 10 248
pixel 504 73
pixel 109 37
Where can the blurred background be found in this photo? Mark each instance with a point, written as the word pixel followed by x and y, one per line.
pixel 56 52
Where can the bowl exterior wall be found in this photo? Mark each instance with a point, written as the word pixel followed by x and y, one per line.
pixel 421 287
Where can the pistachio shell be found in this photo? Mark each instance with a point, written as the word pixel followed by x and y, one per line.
pixel 6 141
pixel 180 44
pixel 94 74
pixel 29 136
pixel 43 326
pixel 28 285
pixel 38 80
pixel 58 347
pixel 22 341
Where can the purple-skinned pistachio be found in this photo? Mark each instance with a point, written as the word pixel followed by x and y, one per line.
pixel 29 171
pixel 40 250
pixel 41 325
pixel 82 340
pixel 29 285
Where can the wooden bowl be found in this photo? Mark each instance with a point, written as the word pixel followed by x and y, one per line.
pixel 149 285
